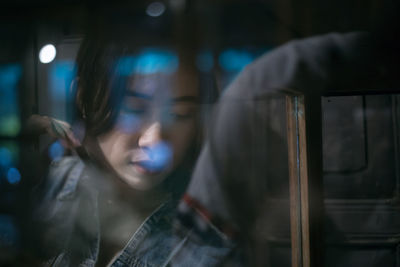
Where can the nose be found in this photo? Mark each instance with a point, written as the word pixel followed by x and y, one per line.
pixel 151 135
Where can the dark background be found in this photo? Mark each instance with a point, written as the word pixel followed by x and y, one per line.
pixel 361 178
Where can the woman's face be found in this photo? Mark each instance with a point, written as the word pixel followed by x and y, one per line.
pixel 156 126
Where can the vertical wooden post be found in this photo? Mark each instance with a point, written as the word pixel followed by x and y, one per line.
pixel 305 180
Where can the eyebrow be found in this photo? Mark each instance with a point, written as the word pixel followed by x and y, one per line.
pixel 186 98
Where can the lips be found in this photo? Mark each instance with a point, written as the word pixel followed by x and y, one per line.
pixel 139 155
pixel 140 161
pixel 141 168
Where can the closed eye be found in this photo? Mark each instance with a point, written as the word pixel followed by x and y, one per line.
pixel 182 111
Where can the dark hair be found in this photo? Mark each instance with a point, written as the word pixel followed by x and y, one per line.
pixel 112 35
pixel 101 88
pixel 112 31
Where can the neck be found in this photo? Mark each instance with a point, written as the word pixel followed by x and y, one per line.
pixel 116 190
pixel 142 201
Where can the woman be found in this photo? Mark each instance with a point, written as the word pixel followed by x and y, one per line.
pixel 114 204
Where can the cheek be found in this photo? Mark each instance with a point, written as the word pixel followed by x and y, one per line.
pixel 181 138
pixel 113 146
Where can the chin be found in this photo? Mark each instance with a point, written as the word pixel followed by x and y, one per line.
pixel 142 183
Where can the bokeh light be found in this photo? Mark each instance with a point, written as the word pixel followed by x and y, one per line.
pixel 13 176
pixel 10 75
pixel 47 54
pixel 5 157
pixel 56 151
pixel 235 60
pixel 149 61
pixel 155 9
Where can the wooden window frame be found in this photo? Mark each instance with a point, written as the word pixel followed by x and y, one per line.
pixel 305 179
pixel 304 136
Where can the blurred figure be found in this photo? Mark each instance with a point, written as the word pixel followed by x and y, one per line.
pixel 245 151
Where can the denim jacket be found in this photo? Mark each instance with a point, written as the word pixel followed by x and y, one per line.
pixel 67 223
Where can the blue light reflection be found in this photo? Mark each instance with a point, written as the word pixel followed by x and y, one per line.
pixel 160 156
pixel 13 176
pixel 128 123
pixel 56 151
pixel 149 61
pixel 10 75
pixel 5 157
pixel 234 60
pixel 61 76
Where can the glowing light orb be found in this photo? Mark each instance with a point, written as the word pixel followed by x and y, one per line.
pixel 47 53
pixel 13 176
pixel 56 151
pixel 155 9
